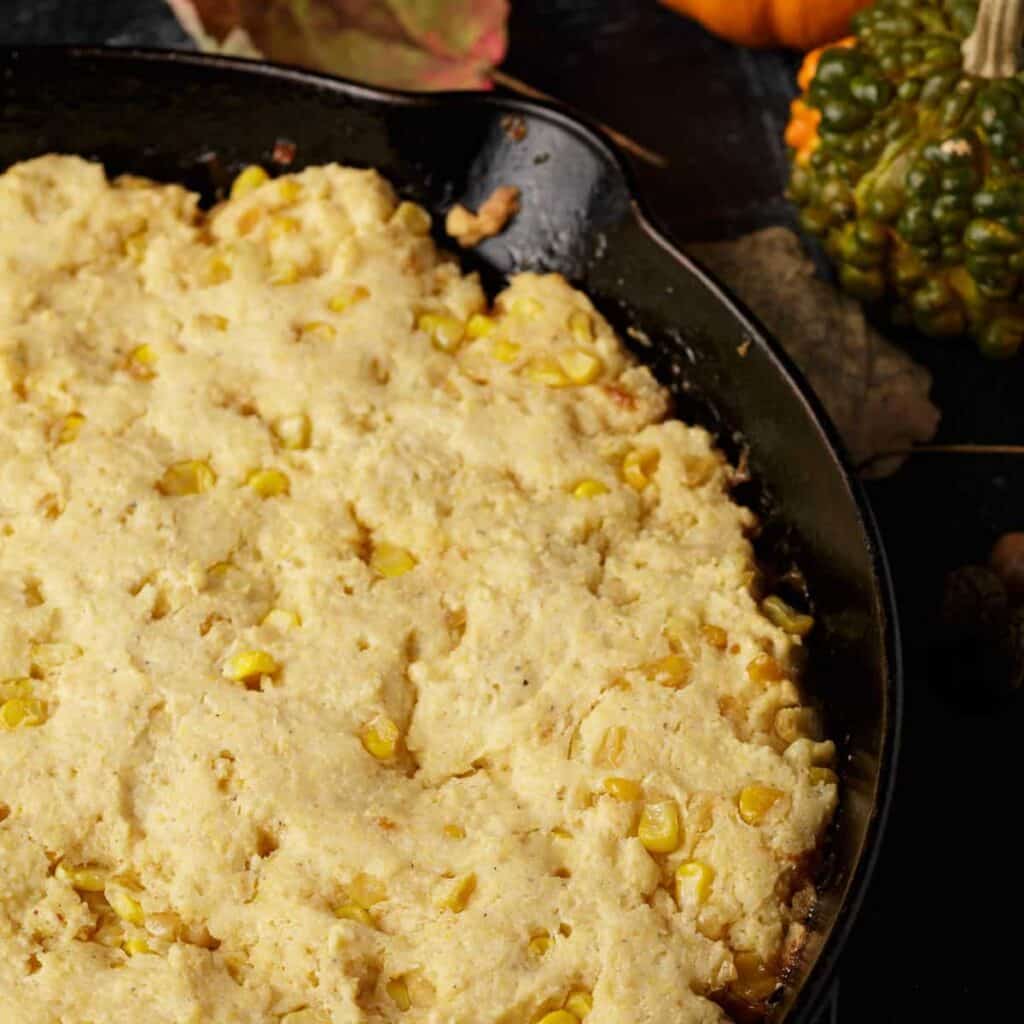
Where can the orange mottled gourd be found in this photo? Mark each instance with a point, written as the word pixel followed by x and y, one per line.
pixel 802 24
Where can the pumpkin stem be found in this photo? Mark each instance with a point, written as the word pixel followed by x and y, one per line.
pixel 992 50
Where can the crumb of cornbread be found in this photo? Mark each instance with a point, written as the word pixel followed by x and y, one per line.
pixel 367 653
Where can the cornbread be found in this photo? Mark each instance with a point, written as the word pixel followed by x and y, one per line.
pixel 368 652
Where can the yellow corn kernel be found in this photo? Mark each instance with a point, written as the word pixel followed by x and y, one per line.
pixel 458 894
pixel 526 306
pixel 248 666
pixel 282 620
pixel 165 925
pixel 559 1017
pixel 126 906
pixel 581 327
pixel 285 273
pixel 19 687
pixel 317 330
pixel 22 712
pixel 673 671
pixel 398 993
pixel 53 655
pixel 756 801
pixel 505 351
pixel 282 225
pixel 268 483
pixel 539 944
pixel 446 332
pixel 389 560
pixel 142 360
pixel 561 833
pixel 579 1003
pixel 480 325
pixel 786 617
pixel 84 878
pixel 623 789
pixel 366 890
pixel 347 298
pixel 250 178
pixel 454 831
pixel 548 372
pixel 70 428
pixel 135 246
pixel 693 882
pixel 293 432
pixel 136 947
pixel 412 217
pixel 218 269
pixel 763 668
pixel 380 738
pixel 248 220
pixel 183 478
pixel 288 190
pixel 612 747
pixel 589 489
pixel 659 829
pixel 822 776
pixel 715 636
pixel 580 366
pixel 639 465
pixel 354 912
pixel 214 321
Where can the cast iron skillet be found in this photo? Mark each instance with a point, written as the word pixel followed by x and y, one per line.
pixel 196 120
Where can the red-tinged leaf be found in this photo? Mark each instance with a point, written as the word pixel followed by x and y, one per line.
pixel 404 44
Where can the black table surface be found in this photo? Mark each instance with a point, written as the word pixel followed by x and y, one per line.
pixel 927 946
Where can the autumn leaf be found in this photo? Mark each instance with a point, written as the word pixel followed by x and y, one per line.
pixel 403 44
pixel 876 394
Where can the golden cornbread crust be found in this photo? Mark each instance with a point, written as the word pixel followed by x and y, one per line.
pixel 331 599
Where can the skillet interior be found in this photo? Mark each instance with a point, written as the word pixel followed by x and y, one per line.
pixel 181 117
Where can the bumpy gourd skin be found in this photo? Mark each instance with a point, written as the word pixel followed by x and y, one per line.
pixel 914 178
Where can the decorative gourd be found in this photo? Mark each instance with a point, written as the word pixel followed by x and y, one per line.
pixel 907 150
pixel 802 24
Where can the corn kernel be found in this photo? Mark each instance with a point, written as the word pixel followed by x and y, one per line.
pixel 548 372
pixel 183 478
pixel 454 831
pixel 22 712
pixel 611 747
pixel 288 190
pixel 84 878
pixel 142 360
pixel 580 366
pixel 579 1003
pixel 693 882
pixel 581 327
pixel 398 993
pixel 446 332
pixel 412 217
pixel 756 801
pixel 250 178
pixel 763 668
pixel 249 220
pixel 214 321
pixel 659 829
pixel 458 894
pixel 136 947
pixel 822 776
pixel 268 483
pixel 539 944
pixel 53 655
pixel 505 351
pixel 639 465
pixel 248 666
pixel 559 1017
pixel 285 273
pixel 672 671
pixel 366 890
pixel 389 560
pixel 282 225
pixel 218 269
pixel 354 912
pixel 589 489
pixel 135 246
pixel 70 428
pixel 317 330
pixel 786 617
pixel 126 906
pixel 480 325
pixel 526 306
pixel 19 687
pixel 715 636
pixel 623 789
pixel 347 298
pixel 293 432
pixel 380 738
pixel 282 620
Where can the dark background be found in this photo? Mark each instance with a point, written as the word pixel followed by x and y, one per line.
pixel 937 939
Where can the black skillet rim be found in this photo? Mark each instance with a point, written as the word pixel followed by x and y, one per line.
pixel 815 984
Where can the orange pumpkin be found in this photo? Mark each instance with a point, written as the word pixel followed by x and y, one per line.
pixel 802 24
